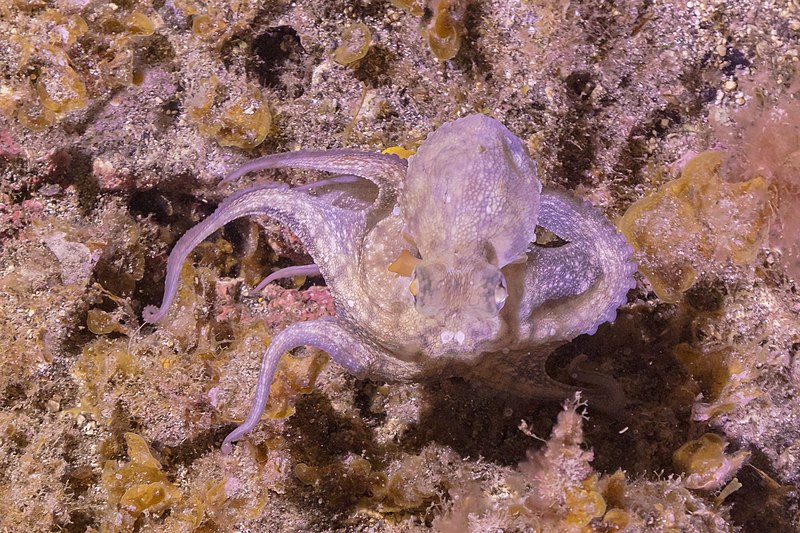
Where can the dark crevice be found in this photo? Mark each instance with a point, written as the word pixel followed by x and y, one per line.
pixel 277 55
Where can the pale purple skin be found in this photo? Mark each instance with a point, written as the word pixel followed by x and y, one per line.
pixel 491 304
pixel 288 272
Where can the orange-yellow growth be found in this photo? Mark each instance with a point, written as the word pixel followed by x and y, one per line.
pixel 695 221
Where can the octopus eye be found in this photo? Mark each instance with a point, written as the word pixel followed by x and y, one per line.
pixel 500 293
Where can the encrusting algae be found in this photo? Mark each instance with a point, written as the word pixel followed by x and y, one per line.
pixel 233 116
pixel 727 374
pixel 117 119
pixel 446 28
pixel 59 61
pixel 695 222
pixel 137 486
pixel 356 40
pixel 705 463
pixel 140 492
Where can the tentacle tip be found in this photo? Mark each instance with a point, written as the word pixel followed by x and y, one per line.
pixel 231 176
pixel 226 448
pixel 152 314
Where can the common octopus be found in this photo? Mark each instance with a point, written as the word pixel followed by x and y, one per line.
pixel 434 263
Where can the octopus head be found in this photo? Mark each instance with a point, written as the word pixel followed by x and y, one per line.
pixel 474 289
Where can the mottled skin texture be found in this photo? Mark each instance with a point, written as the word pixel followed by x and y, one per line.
pixel 476 296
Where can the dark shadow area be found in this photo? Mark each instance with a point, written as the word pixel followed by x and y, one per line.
pixel 375 69
pixel 317 422
pixel 761 503
pixel 177 212
pixel 189 450
pixel 471 57
pixel 276 53
pixel 321 442
pixel 79 521
pixel 636 351
pixel 73 167
pixel 576 145
pixel 478 421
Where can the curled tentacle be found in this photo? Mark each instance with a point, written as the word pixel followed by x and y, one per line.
pixel 327 232
pixel 607 264
pixel 328 334
pixel 555 272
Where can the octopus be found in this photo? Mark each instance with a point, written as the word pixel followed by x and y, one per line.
pixel 455 262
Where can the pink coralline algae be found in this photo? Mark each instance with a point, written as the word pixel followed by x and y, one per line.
pixel 14 217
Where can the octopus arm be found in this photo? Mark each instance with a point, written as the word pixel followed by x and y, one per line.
pixel 319 226
pixel 345 191
pixel 331 335
pixel 561 272
pixel 288 272
pixel 387 171
pixel 607 264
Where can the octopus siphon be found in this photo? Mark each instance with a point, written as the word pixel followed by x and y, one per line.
pixel 435 264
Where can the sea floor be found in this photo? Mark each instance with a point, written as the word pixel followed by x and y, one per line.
pixel 117 122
